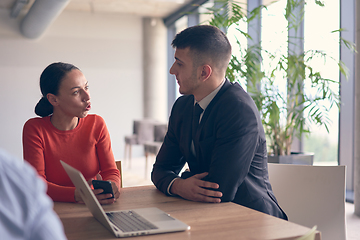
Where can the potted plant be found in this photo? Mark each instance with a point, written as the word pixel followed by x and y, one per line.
pixel 285 114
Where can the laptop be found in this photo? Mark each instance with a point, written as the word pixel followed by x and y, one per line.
pixel 124 223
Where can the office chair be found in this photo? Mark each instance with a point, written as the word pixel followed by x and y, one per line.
pixel 153 147
pixel 312 195
pixel 143 131
pixel 118 166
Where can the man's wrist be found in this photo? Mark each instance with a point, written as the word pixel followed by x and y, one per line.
pixel 170 189
pixel 175 186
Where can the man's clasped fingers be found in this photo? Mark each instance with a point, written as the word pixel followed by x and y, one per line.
pixel 196 189
pixel 204 192
pixel 206 189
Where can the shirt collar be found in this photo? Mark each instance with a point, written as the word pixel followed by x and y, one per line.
pixel 206 100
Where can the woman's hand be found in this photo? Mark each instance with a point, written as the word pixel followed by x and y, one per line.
pixel 107 198
pixel 102 198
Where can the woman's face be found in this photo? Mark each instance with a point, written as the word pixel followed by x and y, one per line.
pixel 73 98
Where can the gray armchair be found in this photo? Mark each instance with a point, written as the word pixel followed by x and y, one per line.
pixel 153 147
pixel 143 131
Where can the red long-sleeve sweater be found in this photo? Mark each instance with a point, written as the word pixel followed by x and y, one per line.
pixel 87 148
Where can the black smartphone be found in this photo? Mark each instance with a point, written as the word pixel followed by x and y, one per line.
pixel 105 185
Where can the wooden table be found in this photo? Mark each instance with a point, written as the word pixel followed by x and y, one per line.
pixel 207 220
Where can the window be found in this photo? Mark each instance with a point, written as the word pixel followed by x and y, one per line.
pixel 319 23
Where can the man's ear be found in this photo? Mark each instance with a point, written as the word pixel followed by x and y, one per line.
pixel 205 72
pixel 52 99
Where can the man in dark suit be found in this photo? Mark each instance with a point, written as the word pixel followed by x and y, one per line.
pixel 225 146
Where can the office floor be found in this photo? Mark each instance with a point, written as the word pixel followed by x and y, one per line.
pixel 134 175
pixel 352 223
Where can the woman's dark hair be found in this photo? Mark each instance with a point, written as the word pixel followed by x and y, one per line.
pixel 50 80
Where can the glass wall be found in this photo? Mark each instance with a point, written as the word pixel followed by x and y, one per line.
pixel 319 24
pixel 274 40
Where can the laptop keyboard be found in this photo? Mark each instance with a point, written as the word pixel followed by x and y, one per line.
pixel 130 221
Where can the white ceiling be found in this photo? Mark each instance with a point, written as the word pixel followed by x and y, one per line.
pixel 145 8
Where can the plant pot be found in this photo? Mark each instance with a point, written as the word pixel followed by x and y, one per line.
pixel 298 158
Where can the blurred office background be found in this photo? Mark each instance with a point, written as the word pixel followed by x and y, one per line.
pixel 123 48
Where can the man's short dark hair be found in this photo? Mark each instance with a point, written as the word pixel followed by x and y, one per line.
pixel 205 42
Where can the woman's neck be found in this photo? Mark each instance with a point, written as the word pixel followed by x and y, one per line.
pixel 64 123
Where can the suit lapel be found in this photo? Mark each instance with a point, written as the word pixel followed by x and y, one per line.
pixel 206 114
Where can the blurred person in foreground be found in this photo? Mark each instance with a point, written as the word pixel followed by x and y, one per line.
pixel 26 211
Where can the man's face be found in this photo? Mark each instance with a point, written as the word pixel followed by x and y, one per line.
pixel 185 72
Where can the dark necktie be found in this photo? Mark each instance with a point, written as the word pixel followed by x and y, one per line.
pixel 196 116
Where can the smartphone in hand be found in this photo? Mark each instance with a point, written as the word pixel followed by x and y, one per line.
pixel 105 185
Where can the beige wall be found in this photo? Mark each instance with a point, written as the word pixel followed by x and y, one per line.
pixel 106 47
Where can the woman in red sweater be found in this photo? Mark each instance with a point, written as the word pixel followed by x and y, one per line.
pixel 64 131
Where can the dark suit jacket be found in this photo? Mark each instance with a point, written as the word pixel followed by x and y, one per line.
pixel 231 146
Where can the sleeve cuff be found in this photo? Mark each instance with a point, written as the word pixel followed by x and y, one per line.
pixel 170 184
